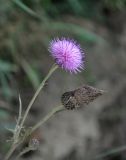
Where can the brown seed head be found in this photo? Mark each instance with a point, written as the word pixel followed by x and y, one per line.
pixel 83 95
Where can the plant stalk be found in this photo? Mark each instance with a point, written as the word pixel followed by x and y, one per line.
pixel 47 117
pixel 54 67
pixel 15 145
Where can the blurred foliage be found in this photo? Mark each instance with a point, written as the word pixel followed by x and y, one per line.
pixel 90 77
pixel 116 4
pixel 84 8
pixel 6 70
pixel 80 32
pixel 48 13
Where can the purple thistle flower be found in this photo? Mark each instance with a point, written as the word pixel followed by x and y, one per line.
pixel 67 54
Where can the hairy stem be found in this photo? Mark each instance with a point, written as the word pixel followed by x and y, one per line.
pixel 47 117
pixel 13 147
pixel 23 152
pixel 41 122
pixel 54 67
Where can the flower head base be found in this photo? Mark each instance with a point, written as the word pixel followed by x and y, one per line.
pixel 67 54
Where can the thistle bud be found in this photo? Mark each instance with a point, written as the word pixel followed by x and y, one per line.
pixel 83 95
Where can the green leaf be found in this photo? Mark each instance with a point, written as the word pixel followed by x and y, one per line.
pixel 7 91
pixel 26 8
pixel 79 31
pixel 7 66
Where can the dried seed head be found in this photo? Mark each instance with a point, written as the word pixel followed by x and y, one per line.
pixel 82 95
pixel 68 100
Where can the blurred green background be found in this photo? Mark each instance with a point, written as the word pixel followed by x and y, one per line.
pixel 26 28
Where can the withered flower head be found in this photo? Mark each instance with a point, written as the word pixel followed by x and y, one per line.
pixel 83 95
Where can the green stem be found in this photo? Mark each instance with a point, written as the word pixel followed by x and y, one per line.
pixel 47 117
pixel 23 152
pixel 41 122
pixel 54 67
pixel 13 147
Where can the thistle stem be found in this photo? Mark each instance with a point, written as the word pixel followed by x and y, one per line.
pixel 23 152
pixel 41 122
pixel 47 117
pixel 12 149
pixel 14 146
pixel 54 67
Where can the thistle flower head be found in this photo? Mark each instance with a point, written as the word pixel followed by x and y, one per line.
pixel 67 54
